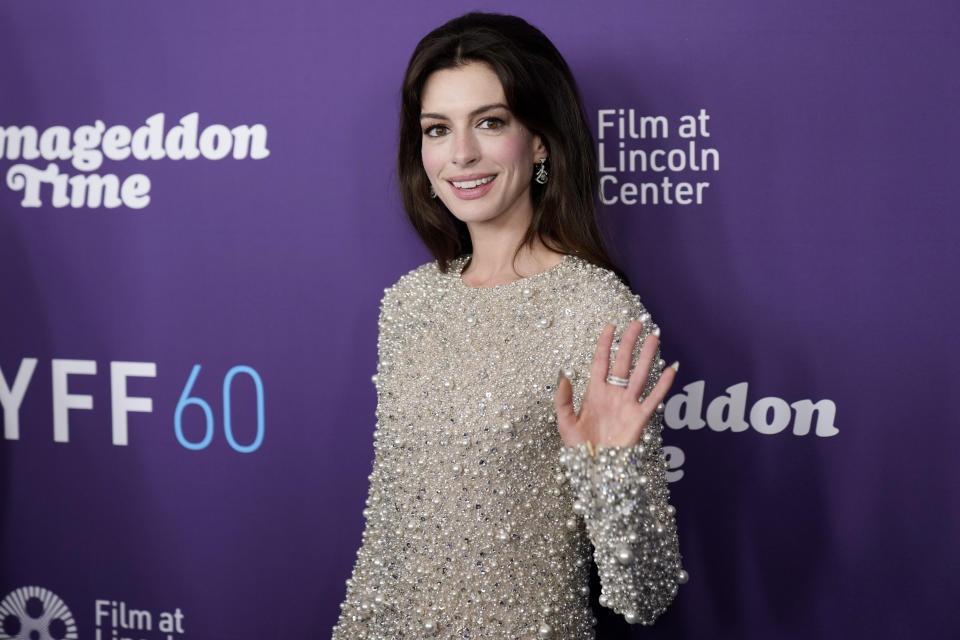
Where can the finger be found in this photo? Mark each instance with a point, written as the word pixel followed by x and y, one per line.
pixel 621 365
pixel 563 403
pixel 641 372
pixel 659 391
pixel 601 358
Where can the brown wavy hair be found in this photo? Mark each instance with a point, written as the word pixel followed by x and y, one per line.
pixel 542 94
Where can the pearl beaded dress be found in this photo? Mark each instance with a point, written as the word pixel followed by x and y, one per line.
pixel 479 521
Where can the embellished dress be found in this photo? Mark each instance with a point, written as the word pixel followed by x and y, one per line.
pixel 479 521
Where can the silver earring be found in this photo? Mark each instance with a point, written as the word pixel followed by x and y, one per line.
pixel 542 176
pixel 433 194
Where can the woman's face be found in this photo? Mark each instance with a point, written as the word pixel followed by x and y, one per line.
pixel 477 155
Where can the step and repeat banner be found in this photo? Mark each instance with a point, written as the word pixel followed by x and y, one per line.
pixel 199 214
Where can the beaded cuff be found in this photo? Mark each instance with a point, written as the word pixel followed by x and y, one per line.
pixel 622 494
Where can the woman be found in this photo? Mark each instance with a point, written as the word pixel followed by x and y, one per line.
pixel 493 475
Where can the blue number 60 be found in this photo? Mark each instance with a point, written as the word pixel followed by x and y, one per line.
pixel 186 400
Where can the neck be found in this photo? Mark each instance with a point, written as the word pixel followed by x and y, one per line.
pixel 492 262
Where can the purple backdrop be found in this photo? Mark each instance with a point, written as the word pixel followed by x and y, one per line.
pixel 810 296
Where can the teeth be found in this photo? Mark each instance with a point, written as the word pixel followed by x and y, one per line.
pixel 470 184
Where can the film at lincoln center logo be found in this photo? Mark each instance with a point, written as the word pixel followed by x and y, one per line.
pixel 35 613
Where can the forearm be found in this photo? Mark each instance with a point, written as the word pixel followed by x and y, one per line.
pixel 621 493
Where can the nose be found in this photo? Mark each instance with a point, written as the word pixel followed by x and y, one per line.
pixel 466 149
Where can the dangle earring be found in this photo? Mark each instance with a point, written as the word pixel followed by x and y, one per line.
pixel 433 194
pixel 541 167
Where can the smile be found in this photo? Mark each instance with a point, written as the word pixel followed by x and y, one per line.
pixel 472 184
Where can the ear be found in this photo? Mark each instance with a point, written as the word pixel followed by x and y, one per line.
pixel 539 148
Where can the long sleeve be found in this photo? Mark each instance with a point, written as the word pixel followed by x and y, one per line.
pixel 622 495
pixel 365 603
pixel 470 530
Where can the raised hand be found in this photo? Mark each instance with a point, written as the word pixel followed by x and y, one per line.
pixel 610 413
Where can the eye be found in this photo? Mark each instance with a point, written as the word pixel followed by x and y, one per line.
pixel 492 123
pixel 435 131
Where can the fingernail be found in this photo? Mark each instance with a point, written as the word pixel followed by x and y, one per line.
pixel 559 375
pixel 676 365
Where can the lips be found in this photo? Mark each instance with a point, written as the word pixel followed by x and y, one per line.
pixel 472 186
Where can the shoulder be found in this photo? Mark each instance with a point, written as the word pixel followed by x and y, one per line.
pixel 601 293
pixel 414 284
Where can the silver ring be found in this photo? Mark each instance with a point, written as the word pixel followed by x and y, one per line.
pixel 615 380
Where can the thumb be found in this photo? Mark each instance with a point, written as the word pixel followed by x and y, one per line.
pixel 563 403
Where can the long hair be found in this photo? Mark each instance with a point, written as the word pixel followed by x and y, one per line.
pixel 542 94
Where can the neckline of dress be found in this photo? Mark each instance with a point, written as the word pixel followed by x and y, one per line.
pixel 460 264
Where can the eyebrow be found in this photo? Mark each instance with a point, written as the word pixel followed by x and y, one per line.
pixel 473 113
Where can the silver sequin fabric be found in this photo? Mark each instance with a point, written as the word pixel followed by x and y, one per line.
pixel 480 523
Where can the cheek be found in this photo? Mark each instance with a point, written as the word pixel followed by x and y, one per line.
pixel 517 152
pixel 432 160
